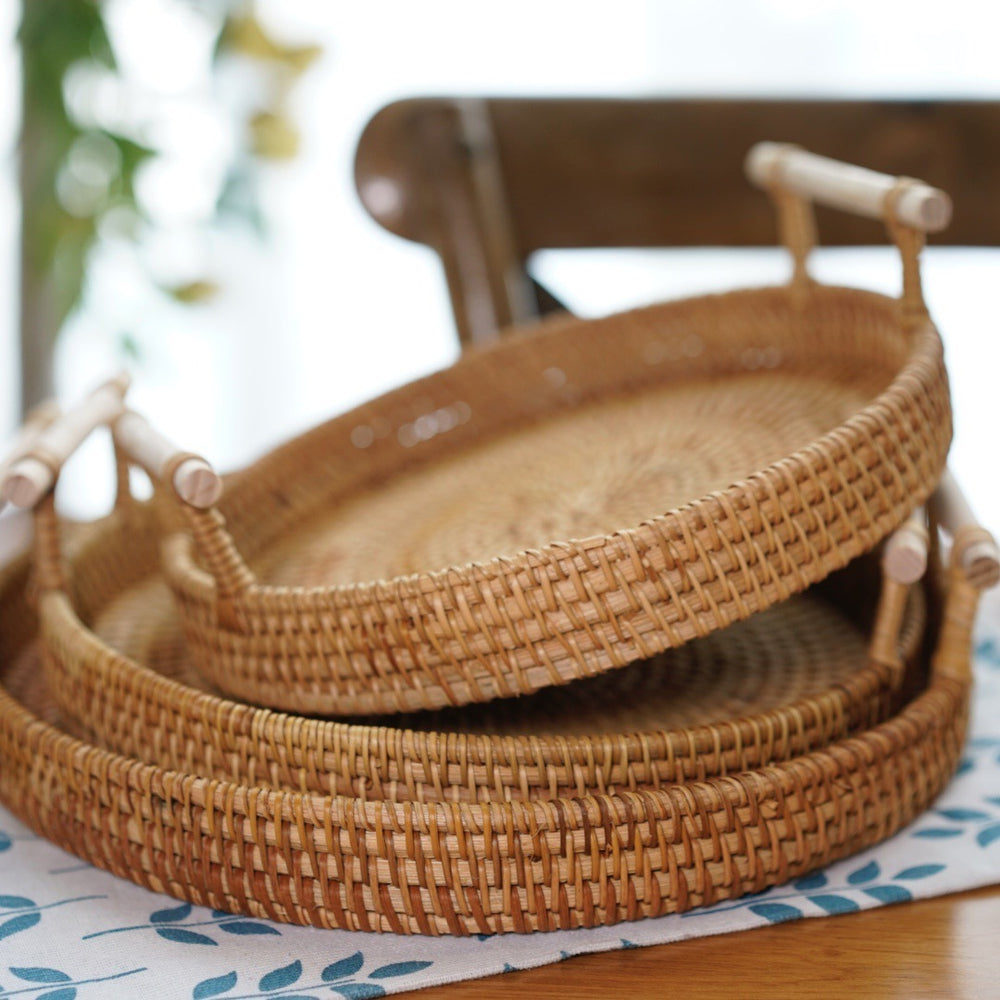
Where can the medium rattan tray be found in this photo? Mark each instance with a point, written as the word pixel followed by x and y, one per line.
pixel 812 670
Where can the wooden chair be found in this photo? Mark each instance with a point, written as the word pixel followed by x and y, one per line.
pixel 486 182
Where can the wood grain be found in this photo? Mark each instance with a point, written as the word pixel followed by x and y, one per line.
pixel 935 948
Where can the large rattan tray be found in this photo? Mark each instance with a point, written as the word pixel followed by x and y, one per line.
pixel 450 867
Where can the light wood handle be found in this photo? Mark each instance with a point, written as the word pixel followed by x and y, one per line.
pixel 31 476
pixel 904 558
pixel 193 479
pixel 976 550
pixel 34 425
pixel 847 187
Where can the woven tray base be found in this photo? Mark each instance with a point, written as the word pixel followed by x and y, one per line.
pixel 606 463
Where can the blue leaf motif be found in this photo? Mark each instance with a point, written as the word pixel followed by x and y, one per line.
pixel 21 923
pixel 345 967
pixel 398 969
pixel 40 974
pixel 965 765
pixel 834 904
pixel 919 871
pixel 221 913
pixel 776 913
pixel 181 936
pixel 66 993
pixel 278 979
pixel 938 832
pixel 889 893
pixel 987 835
pixel 16 902
pixel 298 996
pixel 359 991
pixel 988 650
pixel 170 916
pixel 5 842
pixel 864 874
pixel 814 881
pixel 993 799
pixel 247 927
pixel 962 815
pixel 213 987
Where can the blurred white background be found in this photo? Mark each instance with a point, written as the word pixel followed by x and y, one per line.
pixel 330 309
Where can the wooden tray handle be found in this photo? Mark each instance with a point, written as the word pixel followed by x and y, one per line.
pixel 904 558
pixel 199 487
pixel 48 440
pixel 847 187
pixel 974 567
pixel 35 424
pixel 191 477
pixel 904 562
pixel 974 550
pixel 33 473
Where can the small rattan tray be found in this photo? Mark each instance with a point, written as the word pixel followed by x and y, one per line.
pixel 579 496
pixel 799 469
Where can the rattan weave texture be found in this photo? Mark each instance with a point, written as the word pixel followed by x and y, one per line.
pixel 796 677
pixel 460 868
pixel 770 480
pixel 700 462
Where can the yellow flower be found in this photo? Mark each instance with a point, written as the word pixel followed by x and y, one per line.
pixel 246 36
pixel 194 291
pixel 273 136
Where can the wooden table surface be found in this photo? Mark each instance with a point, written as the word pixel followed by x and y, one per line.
pixel 946 948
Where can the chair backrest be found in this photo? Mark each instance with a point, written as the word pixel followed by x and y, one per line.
pixel 486 182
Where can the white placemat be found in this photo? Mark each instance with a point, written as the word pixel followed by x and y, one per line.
pixel 71 932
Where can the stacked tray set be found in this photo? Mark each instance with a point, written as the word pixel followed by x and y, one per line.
pixel 610 619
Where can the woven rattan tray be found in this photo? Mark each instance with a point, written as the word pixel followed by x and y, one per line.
pixel 797 677
pixel 575 498
pixel 478 868
pixel 800 469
